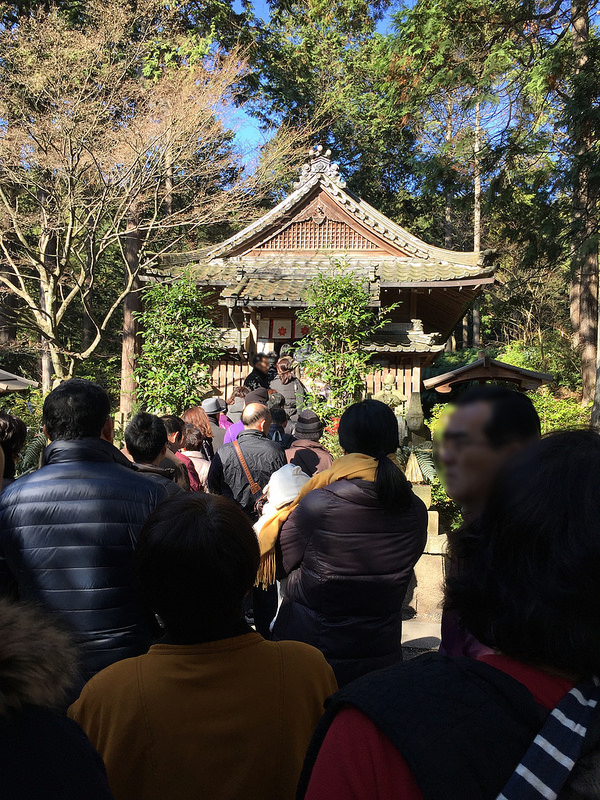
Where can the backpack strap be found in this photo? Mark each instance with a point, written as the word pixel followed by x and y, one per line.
pixel 255 488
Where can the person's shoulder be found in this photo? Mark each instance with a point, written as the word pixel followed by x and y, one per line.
pixel 120 677
pixel 134 478
pixel 303 658
pixel 11 492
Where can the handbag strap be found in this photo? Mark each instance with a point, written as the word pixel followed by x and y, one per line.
pixel 255 488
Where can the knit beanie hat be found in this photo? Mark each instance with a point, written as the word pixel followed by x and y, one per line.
pixel 308 426
pixel 285 484
pixel 257 396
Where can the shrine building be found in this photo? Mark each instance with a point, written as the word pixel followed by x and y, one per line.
pixel 259 278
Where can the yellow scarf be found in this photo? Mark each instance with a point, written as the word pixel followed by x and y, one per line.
pixel 354 466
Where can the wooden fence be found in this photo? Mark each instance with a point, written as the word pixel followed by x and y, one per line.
pixel 227 375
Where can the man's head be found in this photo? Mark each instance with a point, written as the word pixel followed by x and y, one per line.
pixel 490 424
pixel 279 417
pixel 257 417
pixel 529 586
pixel 195 559
pixel 212 408
pixel 77 409
pixel 308 426
pixel 175 428
pixel 260 362
pixel 259 395
pixel 146 438
pixel 276 400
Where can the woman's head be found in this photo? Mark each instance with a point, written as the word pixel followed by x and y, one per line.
pixel 239 392
pixel 192 438
pixel 531 588
pixel 196 558
pixel 284 369
pixel 371 428
pixel 197 417
pixel 13 433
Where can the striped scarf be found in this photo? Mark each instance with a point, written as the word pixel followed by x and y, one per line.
pixel 546 766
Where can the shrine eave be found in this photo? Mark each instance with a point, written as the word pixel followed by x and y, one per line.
pixel 488 369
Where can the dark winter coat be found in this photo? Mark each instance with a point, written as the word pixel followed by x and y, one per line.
pixel 170 461
pixel 257 380
pixel 43 754
pixel 67 534
pixel 164 477
pixel 227 477
pixel 310 456
pixel 218 433
pixel 294 393
pixel 349 563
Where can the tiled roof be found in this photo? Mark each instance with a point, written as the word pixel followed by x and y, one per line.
pixel 269 290
pixel 402 338
pixel 239 275
pixel 401 346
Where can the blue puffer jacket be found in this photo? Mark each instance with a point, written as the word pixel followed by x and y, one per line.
pixel 67 534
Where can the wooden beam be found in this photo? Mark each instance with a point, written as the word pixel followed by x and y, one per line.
pixel 457 284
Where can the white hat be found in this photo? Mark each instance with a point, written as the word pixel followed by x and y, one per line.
pixel 285 484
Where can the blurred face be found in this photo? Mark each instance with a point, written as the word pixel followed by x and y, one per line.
pixel 263 365
pixel 470 462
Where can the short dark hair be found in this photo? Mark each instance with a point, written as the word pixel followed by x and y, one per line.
pixel 276 400
pixel 75 409
pixel 371 427
pixel 261 412
pixel 531 586
pixel 278 416
pixel 196 558
pixel 513 419
pixel 258 358
pixel 173 424
pixel 13 433
pixel 145 437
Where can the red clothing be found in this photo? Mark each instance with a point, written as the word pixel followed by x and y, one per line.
pixel 357 761
pixel 195 485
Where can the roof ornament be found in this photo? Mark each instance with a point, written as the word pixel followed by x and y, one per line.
pixel 320 163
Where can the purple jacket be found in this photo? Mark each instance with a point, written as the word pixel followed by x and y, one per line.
pixel 233 431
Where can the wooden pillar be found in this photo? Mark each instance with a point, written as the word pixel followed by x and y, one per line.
pixel 253 338
pixel 413 304
pixel 416 374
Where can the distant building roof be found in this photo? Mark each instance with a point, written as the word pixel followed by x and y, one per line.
pixel 273 261
pixel 14 383
pixel 488 369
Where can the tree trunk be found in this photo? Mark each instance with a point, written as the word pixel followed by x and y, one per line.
pixel 477 181
pixel 8 326
pixel 130 347
pixel 476 324
pixel 465 332
pixel 45 357
pixel 448 194
pixel 584 252
pixel 476 339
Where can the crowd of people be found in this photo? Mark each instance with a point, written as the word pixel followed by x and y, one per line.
pixel 215 609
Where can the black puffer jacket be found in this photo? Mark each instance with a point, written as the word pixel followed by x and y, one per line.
pixel 226 476
pixel 67 534
pixel 349 564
